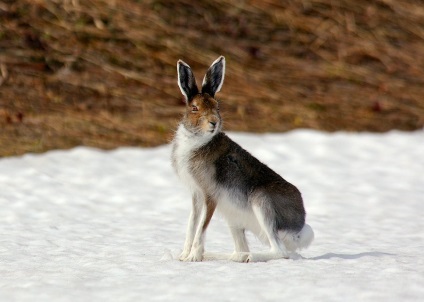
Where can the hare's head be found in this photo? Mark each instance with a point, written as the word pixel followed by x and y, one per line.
pixel 202 109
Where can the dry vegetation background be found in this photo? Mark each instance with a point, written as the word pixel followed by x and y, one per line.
pixel 103 73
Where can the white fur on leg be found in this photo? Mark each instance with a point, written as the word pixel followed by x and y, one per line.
pixel 277 250
pixel 239 256
pixel 212 256
pixel 240 242
pixel 266 256
pixel 192 226
pixel 196 254
pixel 241 248
pixel 197 247
pixel 235 256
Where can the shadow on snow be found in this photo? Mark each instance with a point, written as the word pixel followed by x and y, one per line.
pixel 350 256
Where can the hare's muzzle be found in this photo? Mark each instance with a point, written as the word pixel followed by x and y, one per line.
pixel 213 123
pixel 212 126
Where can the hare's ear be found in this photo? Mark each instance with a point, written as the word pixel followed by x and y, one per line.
pixel 186 80
pixel 212 82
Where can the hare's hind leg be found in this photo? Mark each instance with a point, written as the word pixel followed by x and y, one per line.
pixel 240 242
pixel 277 250
pixel 241 248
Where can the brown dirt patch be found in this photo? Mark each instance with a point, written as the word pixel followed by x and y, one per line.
pixel 102 73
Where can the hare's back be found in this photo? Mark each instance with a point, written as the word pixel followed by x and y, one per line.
pixel 237 168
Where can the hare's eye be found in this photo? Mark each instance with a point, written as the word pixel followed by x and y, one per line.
pixel 194 108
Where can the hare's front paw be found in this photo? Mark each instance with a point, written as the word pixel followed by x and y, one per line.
pixel 196 255
pixel 193 258
pixel 184 255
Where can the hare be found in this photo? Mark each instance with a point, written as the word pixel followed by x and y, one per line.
pixel 222 175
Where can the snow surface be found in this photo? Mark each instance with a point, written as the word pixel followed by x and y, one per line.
pixel 91 225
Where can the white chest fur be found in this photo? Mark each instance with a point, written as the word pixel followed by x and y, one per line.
pixel 185 144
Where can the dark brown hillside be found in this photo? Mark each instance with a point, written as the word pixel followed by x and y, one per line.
pixel 103 73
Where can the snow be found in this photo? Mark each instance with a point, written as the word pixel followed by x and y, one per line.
pixel 92 225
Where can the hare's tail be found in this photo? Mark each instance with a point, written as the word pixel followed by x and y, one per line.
pixel 299 240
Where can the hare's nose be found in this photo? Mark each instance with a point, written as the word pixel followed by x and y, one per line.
pixel 212 123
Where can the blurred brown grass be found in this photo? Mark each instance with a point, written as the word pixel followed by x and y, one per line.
pixel 102 73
